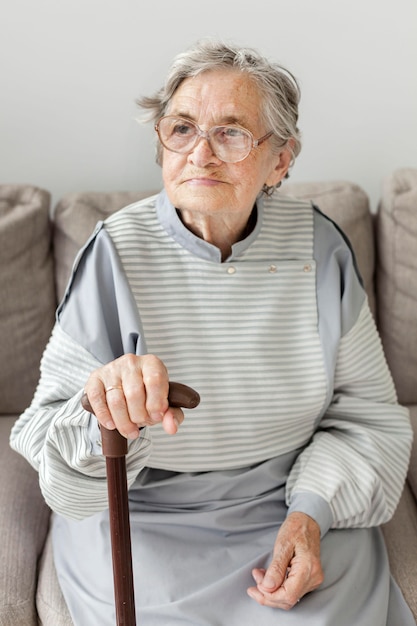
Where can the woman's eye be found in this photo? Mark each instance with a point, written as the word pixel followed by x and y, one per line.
pixel 182 129
pixel 232 132
pixel 229 134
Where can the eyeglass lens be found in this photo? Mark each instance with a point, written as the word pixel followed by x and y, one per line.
pixel 229 143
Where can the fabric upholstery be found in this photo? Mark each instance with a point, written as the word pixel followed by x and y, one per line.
pixel 348 206
pixel 27 291
pixel 400 537
pixel 397 279
pixel 22 540
pixel 50 603
pixel 75 217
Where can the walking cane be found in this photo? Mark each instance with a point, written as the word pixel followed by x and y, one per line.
pixel 114 447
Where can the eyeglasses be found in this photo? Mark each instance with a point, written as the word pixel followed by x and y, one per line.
pixel 228 143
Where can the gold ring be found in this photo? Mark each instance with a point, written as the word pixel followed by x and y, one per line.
pixel 113 387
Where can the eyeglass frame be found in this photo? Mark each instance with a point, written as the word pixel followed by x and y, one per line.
pixel 206 135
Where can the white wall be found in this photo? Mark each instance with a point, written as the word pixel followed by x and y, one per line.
pixel 71 69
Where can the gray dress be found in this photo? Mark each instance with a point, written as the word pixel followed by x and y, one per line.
pixel 196 538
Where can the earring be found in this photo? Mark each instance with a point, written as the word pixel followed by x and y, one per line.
pixel 269 189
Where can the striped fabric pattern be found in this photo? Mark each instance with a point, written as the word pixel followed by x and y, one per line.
pixel 358 458
pixel 59 438
pixel 243 333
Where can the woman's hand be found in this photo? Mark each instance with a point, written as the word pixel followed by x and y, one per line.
pixel 132 392
pixel 295 568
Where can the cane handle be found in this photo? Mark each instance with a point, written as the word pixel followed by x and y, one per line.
pixel 115 445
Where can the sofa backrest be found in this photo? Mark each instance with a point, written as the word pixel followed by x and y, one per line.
pixel 348 206
pixel 75 217
pixel 396 279
pixel 27 291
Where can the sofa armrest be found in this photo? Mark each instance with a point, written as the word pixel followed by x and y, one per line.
pixel 24 521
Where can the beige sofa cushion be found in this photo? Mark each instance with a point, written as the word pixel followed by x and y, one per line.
pixel 400 537
pixel 24 521
pixel 75 217
pixel 348 205
pixel 397 279
pixel 27 291
pixel 50 603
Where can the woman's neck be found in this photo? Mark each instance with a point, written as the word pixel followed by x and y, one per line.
pixel 221 231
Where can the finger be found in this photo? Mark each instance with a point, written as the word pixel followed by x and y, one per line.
pixel 135 394
pixel 263 597
pixel 255 594
pixel 172 420
pixel 301 578
pixel 95 391
pixel 292 589
pixel 278 586
pixel 258 575
pixel 156 383
pixel 142 379
pixel 137 402
pixel 117 406
pixel 304 575
pixel 295 582
pixel 107 398
pixel 277 600
pixel 275 574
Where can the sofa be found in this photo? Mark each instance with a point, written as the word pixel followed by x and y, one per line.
pixel 38 243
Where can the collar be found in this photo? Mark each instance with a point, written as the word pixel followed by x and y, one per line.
pixel 169 219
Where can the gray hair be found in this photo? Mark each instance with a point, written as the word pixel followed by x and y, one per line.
pixel 278 87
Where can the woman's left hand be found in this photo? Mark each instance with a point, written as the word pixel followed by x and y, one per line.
pixel 295 568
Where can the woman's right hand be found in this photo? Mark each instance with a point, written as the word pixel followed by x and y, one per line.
pixel 132 392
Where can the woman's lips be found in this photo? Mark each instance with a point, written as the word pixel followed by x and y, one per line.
pixel 204 182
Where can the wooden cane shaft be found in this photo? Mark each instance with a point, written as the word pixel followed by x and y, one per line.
pixel 114 447
pixel 120 541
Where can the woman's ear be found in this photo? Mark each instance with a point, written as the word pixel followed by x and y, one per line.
pixel 282 166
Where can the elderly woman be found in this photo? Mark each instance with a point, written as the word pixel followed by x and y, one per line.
pixel 263 507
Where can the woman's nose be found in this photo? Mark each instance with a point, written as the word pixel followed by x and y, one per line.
pixel 202 154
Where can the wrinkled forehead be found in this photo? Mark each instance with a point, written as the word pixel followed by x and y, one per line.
pixel 224 96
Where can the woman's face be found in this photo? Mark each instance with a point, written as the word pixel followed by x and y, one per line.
pixel 199 181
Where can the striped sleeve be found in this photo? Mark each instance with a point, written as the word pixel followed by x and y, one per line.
pixel 61 440
pixel 357 460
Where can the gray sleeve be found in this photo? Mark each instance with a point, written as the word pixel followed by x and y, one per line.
pixel 356 462
pixel 96 322
pixel 98 309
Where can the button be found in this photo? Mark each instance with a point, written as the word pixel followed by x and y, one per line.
pixel 231 270
pixel 307 267
pixel 272 269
